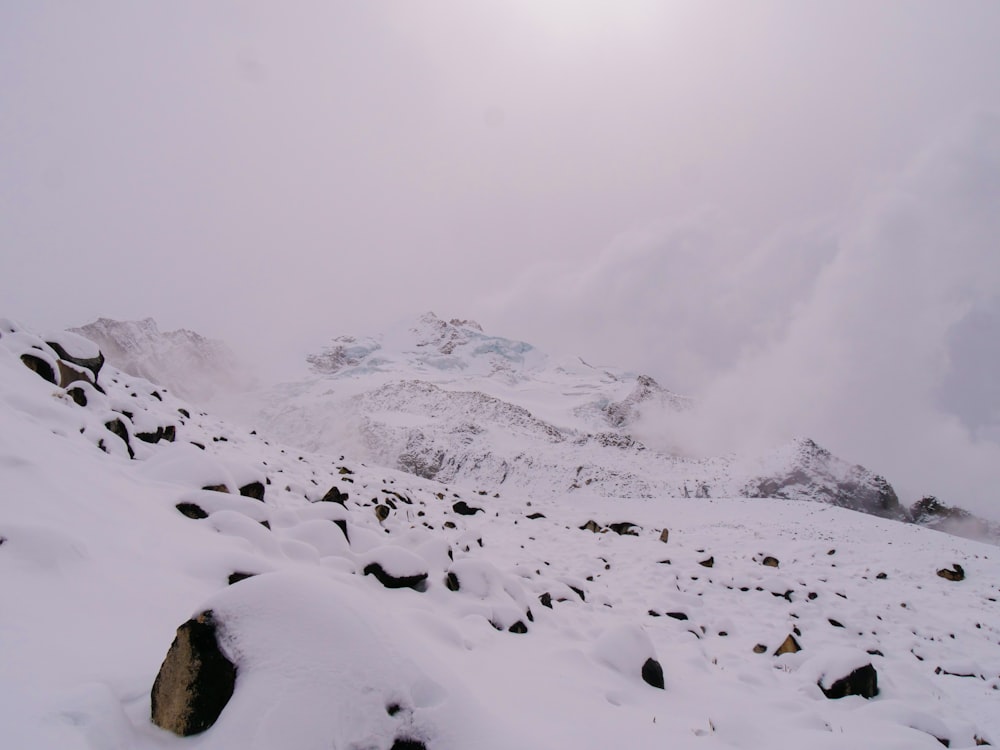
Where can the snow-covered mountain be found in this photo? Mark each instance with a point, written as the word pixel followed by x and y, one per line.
pixel 444 400
pixel 167 573
pixel 191 365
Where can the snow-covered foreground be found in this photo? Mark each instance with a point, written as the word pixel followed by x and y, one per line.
pixel 513 631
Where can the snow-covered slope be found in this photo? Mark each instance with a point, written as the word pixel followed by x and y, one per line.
pixel 444 400
pixel 191 365
pixel 389 611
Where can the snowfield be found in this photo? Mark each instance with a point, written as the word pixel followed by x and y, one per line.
pixel 364 608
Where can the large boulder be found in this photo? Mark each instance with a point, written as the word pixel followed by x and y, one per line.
pixel 195 681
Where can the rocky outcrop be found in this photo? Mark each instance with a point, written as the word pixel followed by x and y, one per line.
pixel 195 681
pixel 862 681
pixel 805 471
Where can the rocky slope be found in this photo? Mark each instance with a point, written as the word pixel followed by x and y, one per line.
pixel 188 577
pixel 191 365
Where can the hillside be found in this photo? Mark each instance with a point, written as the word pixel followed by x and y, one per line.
pixel 364 607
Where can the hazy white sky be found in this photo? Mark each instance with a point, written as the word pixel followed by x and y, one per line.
pixel 790 209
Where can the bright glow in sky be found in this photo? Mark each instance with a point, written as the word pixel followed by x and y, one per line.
pixel 781 204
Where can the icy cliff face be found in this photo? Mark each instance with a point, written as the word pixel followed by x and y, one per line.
pixel 194 367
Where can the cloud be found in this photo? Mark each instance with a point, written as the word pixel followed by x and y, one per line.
pixel 845 330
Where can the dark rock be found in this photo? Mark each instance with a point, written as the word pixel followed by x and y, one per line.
pixel 78 395
pixel 862 681
pixel 881 576
pixel 239 576
pixel 69 374
pixel 546 600
pixel 788 646
pixel 451 582
pixel 407 743
pixel 677 615
pixel 334 495
pixel 254 490
pixel 391 581
pixel 536 516
pixel 760 648
pixel 40 367
pixel 771 562
pixel 835 623
pixel 195 681
pixel 591 526
pixel 94 364
pixel 518 627
pixel 665 535
pixel 464 509
pixel 381 512
pixel 707 563
pixel 191 510
pixel 624 528
pixel 956 574
pixel 652 673
pixel 184 413
pixel 216 488
pixel 169 433
pixel 117 427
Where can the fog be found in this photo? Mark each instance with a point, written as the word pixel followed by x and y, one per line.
pixel 787 210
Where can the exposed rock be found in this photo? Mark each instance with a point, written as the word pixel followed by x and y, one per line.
pixel 760 648
pixel 788 646
pixel 624 528
pixel 771 562
pixel 69 374
pixel 862 681
pixel 665 535
pixel 652 673
pixel 518 627
pixel 591 526
pixel 464 509
pixel 191 510
pixel 535 516
pixel 195 681
pixel 956 574
pixel 708 563
pixel 216 488
pixel 254 490
pixel 393 582
pixel 94 364
pixel 381 512
pixel 677 615
pixel 117 427
pixel 78 395
pixel 334 495
pixel 407 743
pixel 546 600
pixel 40 367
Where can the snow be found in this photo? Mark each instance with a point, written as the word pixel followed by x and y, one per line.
pixel 99 569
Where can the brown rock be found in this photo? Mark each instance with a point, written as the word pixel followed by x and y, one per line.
pixel 788 646
pixel 195 681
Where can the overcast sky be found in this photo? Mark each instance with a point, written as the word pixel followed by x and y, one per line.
pixel 790 210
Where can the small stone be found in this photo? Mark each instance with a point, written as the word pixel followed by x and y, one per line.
pixel 862 681
pixel 652 673
pixel 788 646
pixel 665 535
pixel 191 510
pixel 771 562
pixel 760 648
pixel 464 509
pixel 334 495
pixel 254 490
pixel 381 512
pixel 708 563
pixel 591 526
pixel 956 574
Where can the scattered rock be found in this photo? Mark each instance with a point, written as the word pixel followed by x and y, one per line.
pixel 708 563
pixel 771 562
pixel 216 488
pixel 760 648
pixel 381 512
pixel 788 646
pixel 117 427
pixel 665 535
pixel 624 528
pixel 195 681
pixel 191 510
pixel 677 615
pixel 862 681
pixel 394 582
pixel 536 516
pixel 546 600
pixel 407 743
pixel 40 367
pixel 334 495
pixel 956 574
pixel 591 526
pixel 518 627
pixel 238 576
pixel 464 509
pixel 254 490
pixel 94 364
pixel 652 673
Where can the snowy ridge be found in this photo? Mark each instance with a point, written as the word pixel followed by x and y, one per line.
pixel 182 360
pixel 383 610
